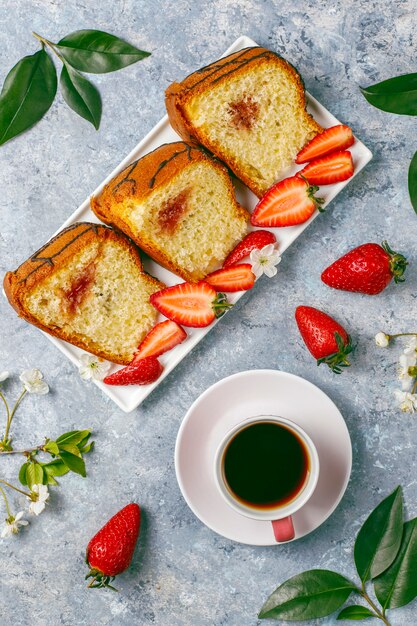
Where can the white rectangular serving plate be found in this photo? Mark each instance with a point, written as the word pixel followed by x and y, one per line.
pixel 130 397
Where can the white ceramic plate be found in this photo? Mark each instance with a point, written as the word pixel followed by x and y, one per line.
pixel 228 403
pixel 128 398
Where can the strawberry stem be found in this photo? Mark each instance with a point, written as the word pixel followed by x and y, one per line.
pixel 397 263
pixel 311 190
pixel 338 360
pixel 220 304
pixel 99 580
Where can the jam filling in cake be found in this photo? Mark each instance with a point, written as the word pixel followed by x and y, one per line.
pixel 172 212
pixel 243 113
pixel 80 288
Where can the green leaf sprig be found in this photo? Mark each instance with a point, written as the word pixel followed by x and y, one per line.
pixel 397 95
pixel 67 455
pixel 43 463
pixel 385 553
pixel 31 85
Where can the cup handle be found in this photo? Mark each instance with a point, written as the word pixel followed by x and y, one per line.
pixel 283 529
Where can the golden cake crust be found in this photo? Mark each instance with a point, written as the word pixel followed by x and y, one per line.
pixel 54 255
pixel 177 95
pixel 139 179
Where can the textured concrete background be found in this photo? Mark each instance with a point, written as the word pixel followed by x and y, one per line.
pixel 183 573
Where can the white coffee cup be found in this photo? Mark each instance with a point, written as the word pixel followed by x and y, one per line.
pixel 280 516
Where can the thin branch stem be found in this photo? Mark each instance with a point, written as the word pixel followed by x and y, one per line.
pixel 378 613
pixel 50 45
pixel 5 404
pixel 11 415
pixel 25 493
pixel 18 401
pixel 25 452
pixel 402 335
pixel 6 502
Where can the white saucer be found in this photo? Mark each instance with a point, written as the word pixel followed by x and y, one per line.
pixel 234 399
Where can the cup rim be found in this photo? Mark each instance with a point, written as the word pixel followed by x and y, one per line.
pixel 279 512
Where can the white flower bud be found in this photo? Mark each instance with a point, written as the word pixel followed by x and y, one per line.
pixel 382 340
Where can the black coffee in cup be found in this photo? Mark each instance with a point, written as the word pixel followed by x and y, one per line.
pixel 265 465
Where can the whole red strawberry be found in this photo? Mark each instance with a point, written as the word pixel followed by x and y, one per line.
pixel 366 269
pixel 110 551
pixel 326 339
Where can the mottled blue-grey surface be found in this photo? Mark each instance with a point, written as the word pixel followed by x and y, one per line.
pixel 184 574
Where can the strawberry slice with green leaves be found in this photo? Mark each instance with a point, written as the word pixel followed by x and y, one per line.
pixel 325 338
pixel 235 278
pixel 329 169
pixel 163 337
pixel 144 372
pixel 256 240
pixel 287 203
pixel 191 304
pixel 338 137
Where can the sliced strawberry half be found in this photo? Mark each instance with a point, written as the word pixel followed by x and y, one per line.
pixel 144 372
pixel 163 337
pixel 235 278
pixel 190 304
pixel 289 202
pixel 335 138
pixel 255 240
pixel 330 169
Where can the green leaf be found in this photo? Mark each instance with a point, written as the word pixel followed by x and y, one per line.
pixel 379 539
pixel 398 585
pixel 81 95
pixel 97 52
pixel 86 449
pixel 51 447
pixel 71 448
pixel 74 436
pixel 83 441
pixel 356 612
pixel 395 95
pixel 74 463
pixel 412 181
pixel 28 92
pixel 48 479
pixel 22 474
pixel 34 474
pixel 309 595
pixel 55 468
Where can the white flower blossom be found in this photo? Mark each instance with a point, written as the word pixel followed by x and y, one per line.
pixel 411 347
pixel 406 361
pixel 382 340
pixel 407 401
pixel 13 524
pixel 33 383
pixel 264 261
pixel 93 368
pixel 4 376
pixel 38 496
